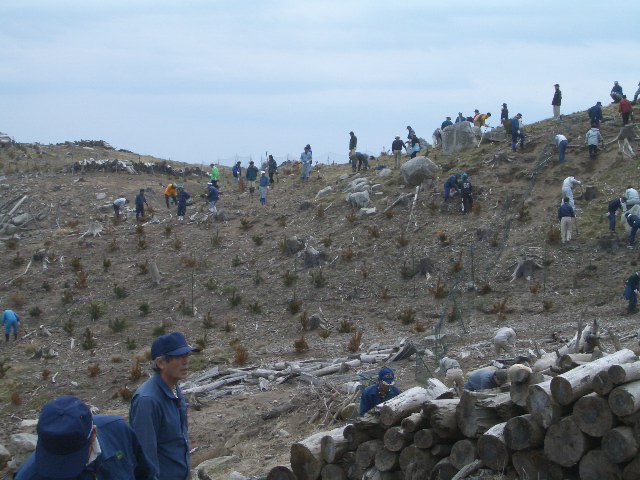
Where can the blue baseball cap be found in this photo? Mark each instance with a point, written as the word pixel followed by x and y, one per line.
pixel 387 376
pixel 64 434
pixel 172 344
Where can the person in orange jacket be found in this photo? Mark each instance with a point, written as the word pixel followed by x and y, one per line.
pixel 171 192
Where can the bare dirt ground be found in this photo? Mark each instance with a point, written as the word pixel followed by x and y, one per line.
pixel 203 262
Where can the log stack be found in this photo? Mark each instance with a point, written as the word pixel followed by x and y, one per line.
pixel 566 429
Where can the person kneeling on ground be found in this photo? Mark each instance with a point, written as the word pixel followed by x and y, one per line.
pixel 384 390
pixel 486 380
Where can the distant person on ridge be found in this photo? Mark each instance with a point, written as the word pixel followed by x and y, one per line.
pixel 306 158
pixel 592 139
pixel 272 167
pixel 567 217
pixel 556 101
pixel 171 192
pixel 504 114
pixel 251 175
pixel 396 149
pixel 567 189
pixel 561 143
pixel 616 92
pixel 634 223
pixel 446 123
pixel 384 390
pixel 516 132
pixel 619 203
pixel 595 114
pixel 625 109
pixel 460 118
pixel 631 292
pixel 141 201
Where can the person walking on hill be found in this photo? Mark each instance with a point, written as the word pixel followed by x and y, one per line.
pixel 214 175
pixel 467 194
pixel 251 175
pixel 118 205
pixel 561 143
pixel 567 189
pixel 183 198
pixel 595 114
pixel 158 411
pixel 384 390
pixel 141 201
pixel 517 132
pixel 306 158
pixel 452 183
pixel 272 167
pixel 619 203
pixel 505 340
pixel 633 197
pixel 634 222
pixel 213 194
pixel 631 292
pixel 171 192
pixel 625 109
pixel 592 139
pixel 396 148
pixel 263 187
pixel 567 217
pixel 11 322
pixel 556 101
pixel 616 92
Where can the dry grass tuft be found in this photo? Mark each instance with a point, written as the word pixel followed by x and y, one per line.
pixel 354 342
pixel 300 345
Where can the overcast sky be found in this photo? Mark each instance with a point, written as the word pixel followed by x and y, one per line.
pixel 205 80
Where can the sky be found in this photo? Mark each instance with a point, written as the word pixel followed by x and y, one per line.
pixel 203 81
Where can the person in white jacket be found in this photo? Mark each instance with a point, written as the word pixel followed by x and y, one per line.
pixel 632 197
pixel 592 139
pixel 505 339
pixel 567 189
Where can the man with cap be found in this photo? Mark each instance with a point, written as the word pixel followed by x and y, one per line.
pixel 556 101
pixel 616 92
pixel 446 123
pixel 486 379
pixel 396 147
pixel 460 118
pixel 72 443
pixel 141 201
pixel 251 175
pixel 158 412
pixel 384 390
pixel 516 132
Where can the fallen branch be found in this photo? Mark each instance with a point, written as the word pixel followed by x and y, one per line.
pixel 21 275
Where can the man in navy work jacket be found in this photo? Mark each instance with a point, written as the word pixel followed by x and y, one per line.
pixel 74 444
pixel 384 390
pixel 158 411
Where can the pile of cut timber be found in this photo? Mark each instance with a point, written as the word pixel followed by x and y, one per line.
pixel 568 427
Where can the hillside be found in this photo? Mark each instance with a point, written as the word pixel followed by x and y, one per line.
pixel 365 278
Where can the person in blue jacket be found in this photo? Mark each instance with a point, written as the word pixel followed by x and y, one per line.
pixel 616 92
pixel 452 183
pixel 251 176
pixel 595 114
pixel 213 194
pixel 263 186
pixel 141 201
pixel 485 380
pixel 516 132
pixel 158 412
pixel 384 390
pixel 183 198
pixel 11 321
pixel 619 203
pixel 634 223
pixel 631 292
pixel 74 444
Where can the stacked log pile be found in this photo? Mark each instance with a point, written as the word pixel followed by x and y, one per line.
pixel 565 428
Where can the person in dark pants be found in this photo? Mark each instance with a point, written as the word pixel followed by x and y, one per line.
pixel 384 390
pixel 619 203
pixel 396 147
pixel 183 198
pixel 466 190
pixel 557 100
pixel 11 321
pixel 272 168
pixel 561 143
pixel 595 114
pixel 486 380
pixel 625 109
pixel 363 160
pixel 593 138
pixel 171 192
pixel 415 145
pixel 631 292
pixel 516 132
pixel 141 201
pixel 634 223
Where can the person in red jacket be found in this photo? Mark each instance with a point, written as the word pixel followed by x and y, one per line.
pixel 624 107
